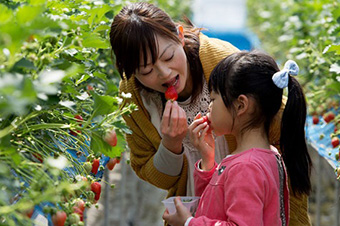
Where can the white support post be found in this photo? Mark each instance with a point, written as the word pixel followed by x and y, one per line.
pixel 318 192
pixel 107 197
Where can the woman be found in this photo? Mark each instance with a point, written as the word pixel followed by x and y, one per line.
pixel 153 53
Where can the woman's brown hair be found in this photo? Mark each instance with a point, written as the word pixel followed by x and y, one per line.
pixel 134 30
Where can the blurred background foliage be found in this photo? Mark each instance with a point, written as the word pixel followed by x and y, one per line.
pixel 309 33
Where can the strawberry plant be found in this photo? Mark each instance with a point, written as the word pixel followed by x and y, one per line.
pixel 307 32
pixel 58 98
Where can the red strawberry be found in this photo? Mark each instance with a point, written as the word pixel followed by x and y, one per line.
pixel 315 119
pixel 89 87
pixel 205 119
pixel 59 218
pixel 335 142
pixel 38 157
pixel 29 212
pixel 79 212
pixel 111 163
pixel 328 117
pixel 171 93
pixel 80 204
pixel 95 166
pixel 96 188
pixel 79 119
pixel 111 138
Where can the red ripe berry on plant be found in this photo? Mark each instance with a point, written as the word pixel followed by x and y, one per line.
pixel 171 93
pixel 96 188
pixel 59 218
pixel 79 118
pixel 329 116
pixel 111 163
pixel 315 119
pixel 95 166
pixel 111 138
pixel 335 142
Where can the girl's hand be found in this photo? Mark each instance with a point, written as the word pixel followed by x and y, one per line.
pixel 202 138
pixel 179 218
pixel 174 127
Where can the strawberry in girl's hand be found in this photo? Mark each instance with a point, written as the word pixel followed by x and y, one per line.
pixel 205 119
pixel 95 166
pixel 171 93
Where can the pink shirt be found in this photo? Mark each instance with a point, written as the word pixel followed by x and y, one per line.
pixel 242 190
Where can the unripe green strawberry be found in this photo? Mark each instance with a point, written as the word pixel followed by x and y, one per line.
pixel 88 167
pixel 74 218
pixel 111 138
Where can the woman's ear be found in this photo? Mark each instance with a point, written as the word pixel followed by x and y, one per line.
pixel 242 104
pixel 181 33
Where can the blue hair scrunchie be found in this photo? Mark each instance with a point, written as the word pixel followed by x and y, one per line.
pixel 281 78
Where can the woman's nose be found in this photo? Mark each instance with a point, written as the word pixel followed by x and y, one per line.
pixel 163 70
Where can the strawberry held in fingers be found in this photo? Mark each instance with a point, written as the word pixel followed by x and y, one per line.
pixel 171 93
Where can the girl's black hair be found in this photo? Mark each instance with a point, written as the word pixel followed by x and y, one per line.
pixel 250 73
pixel 133 33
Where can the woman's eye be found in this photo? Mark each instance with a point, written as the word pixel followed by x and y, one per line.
pixel 146 73
pixel 168 59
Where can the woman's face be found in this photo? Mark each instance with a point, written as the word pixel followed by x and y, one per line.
pixel 169 69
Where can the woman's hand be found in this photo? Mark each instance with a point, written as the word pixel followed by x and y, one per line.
pixel 202 138
pixel 174 127
pixel 179 218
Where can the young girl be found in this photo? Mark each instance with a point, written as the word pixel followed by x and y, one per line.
pixel 249 186
pixel 152 52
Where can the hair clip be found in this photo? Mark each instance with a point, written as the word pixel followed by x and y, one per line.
pixel 281 78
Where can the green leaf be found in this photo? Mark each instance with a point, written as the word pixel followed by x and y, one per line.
pixel 98 145
pixel 103 105
pixel 332 48
pixel 26 13
pixel 5 14
pixel 94 40
pixel 24 63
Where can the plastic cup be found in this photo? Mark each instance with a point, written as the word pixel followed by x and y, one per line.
pixel 190 202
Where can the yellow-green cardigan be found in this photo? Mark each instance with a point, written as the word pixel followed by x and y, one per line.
pixel 144 140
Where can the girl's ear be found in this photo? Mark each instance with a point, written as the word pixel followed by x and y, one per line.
pixel 181 33
pixel 242 104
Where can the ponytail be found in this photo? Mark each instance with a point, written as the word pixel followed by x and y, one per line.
pixel 292 142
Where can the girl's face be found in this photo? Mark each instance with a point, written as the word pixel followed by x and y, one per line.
pixel 221 119
pixel 169 69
